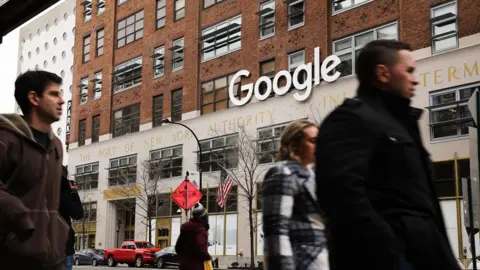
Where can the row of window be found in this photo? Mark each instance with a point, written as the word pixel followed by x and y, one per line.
pixel 449 113
pixel 167 162
pixel 225 37
pixel 444 36
pixel 100 36
pixel 88 6
pixel 97 87
pixel 82 130
pixel 121 171
pixel 127 119
pixel 128 74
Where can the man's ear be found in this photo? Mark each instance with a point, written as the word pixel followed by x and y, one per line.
pixel 33 98
pixel 383 74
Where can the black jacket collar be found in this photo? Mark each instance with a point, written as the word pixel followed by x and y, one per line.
pixel 397 105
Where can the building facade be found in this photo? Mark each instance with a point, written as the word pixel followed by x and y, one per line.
pixel 140 62
pixel 46 43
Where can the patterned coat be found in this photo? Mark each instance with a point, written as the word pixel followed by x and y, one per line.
pixel 292 223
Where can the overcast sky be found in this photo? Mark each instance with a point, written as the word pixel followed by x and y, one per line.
pixel 9 64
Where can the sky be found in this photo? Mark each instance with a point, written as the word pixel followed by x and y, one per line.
pixel 9 65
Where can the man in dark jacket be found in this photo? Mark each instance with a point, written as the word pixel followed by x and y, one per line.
pixel 374 178
pixel 32 233
pixel 70 208
pixel 192 244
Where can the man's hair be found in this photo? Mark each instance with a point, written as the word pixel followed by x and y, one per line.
pixel 377 52
pixel 36 81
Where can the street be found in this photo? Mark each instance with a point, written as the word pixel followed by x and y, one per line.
pixel 123 266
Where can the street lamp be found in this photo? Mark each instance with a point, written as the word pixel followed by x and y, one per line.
pixel 166 120
pixel 119 222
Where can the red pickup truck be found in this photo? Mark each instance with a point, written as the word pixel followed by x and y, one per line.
pixel 133 253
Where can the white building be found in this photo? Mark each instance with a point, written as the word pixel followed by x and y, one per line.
pixel 46 43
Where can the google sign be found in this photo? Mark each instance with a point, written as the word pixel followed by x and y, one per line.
pixel 330 63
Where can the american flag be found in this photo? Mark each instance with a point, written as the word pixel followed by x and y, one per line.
pixel 226 184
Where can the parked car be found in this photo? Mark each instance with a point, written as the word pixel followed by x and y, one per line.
pixel 133 253
pixel 89 256
pixel 166 257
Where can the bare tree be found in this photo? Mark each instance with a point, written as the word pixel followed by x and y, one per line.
pixel 84 195
pixel 142 185
pixel 246 176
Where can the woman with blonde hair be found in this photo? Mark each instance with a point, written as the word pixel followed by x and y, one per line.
pixel 292 224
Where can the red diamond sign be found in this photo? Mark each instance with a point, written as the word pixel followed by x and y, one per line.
pixel 179 196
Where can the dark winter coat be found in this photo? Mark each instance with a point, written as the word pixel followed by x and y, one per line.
pixel 374 182
pixel 70 208
pixel 192 245
pixel 32 232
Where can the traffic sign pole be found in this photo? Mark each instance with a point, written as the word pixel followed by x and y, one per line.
pixel 186 197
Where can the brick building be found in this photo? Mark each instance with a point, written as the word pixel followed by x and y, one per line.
pixel 138 62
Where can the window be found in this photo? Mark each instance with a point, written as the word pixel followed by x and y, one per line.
pixel 267 19
pixel 126 120
pixel 294 60
pixel 122 171
pixel 86 49
pixel 161 13
pixel 208 3
pixel 97 82
pixel 159 62
pixel 449 113
pixel 267 68
pixel 130 29
pixel 100 38
pixel 222 236
pixel 100 7
pixel 340 5
pixel 219 152
pixel 177 105
pixel 82 132
pixel 127 75
pixel 267 141
pixel 296 13
pixel 444 27
pixel 347 49
pixel 84 91
pixel 86 176
pixel 163 207
pixel 87 10
pixel 222 38
pixel 444 177
pixel 157 110
pixel 177 48
pixel 168 161
pixel 179 9
pixel 215 94
pixel 90 211
pixel 95 128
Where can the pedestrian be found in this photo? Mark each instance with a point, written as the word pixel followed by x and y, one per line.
pixel 373 172
pixel 33 235
pixel 70 208
pixel 292 221
pixel 192 244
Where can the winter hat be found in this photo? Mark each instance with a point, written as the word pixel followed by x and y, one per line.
pixel 199 211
